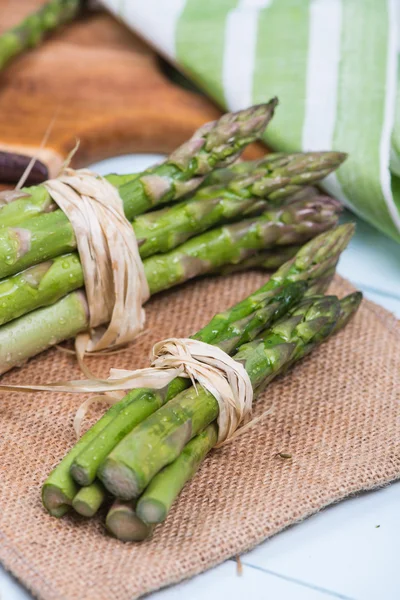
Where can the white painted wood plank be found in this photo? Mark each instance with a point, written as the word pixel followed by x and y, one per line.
pixel 351 548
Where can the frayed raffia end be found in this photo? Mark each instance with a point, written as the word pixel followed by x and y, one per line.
pixel 108 399
pixel 7 196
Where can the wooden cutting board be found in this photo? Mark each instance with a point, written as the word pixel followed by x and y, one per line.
pixel 102 85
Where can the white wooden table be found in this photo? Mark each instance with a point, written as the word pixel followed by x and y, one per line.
pixel 348 551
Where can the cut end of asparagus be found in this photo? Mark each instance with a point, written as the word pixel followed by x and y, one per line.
pixel 151 511
pixel 119 479
pixel 54 501
pixel 82 508
pixel 80 475
pixel 123 523
pixel 89 499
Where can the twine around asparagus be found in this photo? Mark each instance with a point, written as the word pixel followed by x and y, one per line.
pixel 210 366
pixel 115 282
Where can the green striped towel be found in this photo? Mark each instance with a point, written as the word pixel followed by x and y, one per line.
pixel 332 64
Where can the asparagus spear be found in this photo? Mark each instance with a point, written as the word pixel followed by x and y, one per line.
pixel 41 329
pixel 315 161
pixel 308 266
pixel 326 163
pixel 45 283
pixel 155 503
pixel 30 32
pixel 89 499
pixel 215 144
pixel 51 234
pixel 159 440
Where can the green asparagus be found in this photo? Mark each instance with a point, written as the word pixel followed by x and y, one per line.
pixel 51 234
pixel 30 32
pixel 215 144
pixel 45 283
pixel 311 162
pixel 159 440
pixel 271 306
pixel 60 489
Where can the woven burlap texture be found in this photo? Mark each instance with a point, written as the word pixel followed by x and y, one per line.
pixel 337 414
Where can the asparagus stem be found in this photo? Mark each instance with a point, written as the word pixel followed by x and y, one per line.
pixel 41 285
pixel 45 283
pixel 51 234
pixel 156 501
pixel 307 266
pixel 89 499
pixel 30 32
pixel 215 144
pixel 25 337
pixel 123 523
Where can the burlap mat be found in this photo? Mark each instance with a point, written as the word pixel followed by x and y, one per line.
pixel 337 414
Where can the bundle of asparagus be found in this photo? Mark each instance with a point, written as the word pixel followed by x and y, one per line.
pixel 255 213
pixel 147 446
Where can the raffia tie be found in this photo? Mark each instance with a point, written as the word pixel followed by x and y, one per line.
pixel 115 282
pixel 218 373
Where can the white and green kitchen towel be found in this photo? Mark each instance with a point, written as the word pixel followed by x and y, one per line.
pixel 332 63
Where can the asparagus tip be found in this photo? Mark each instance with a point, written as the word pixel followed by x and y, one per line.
pixel 348 307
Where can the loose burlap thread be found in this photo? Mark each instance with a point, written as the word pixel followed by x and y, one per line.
pixel 337 414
